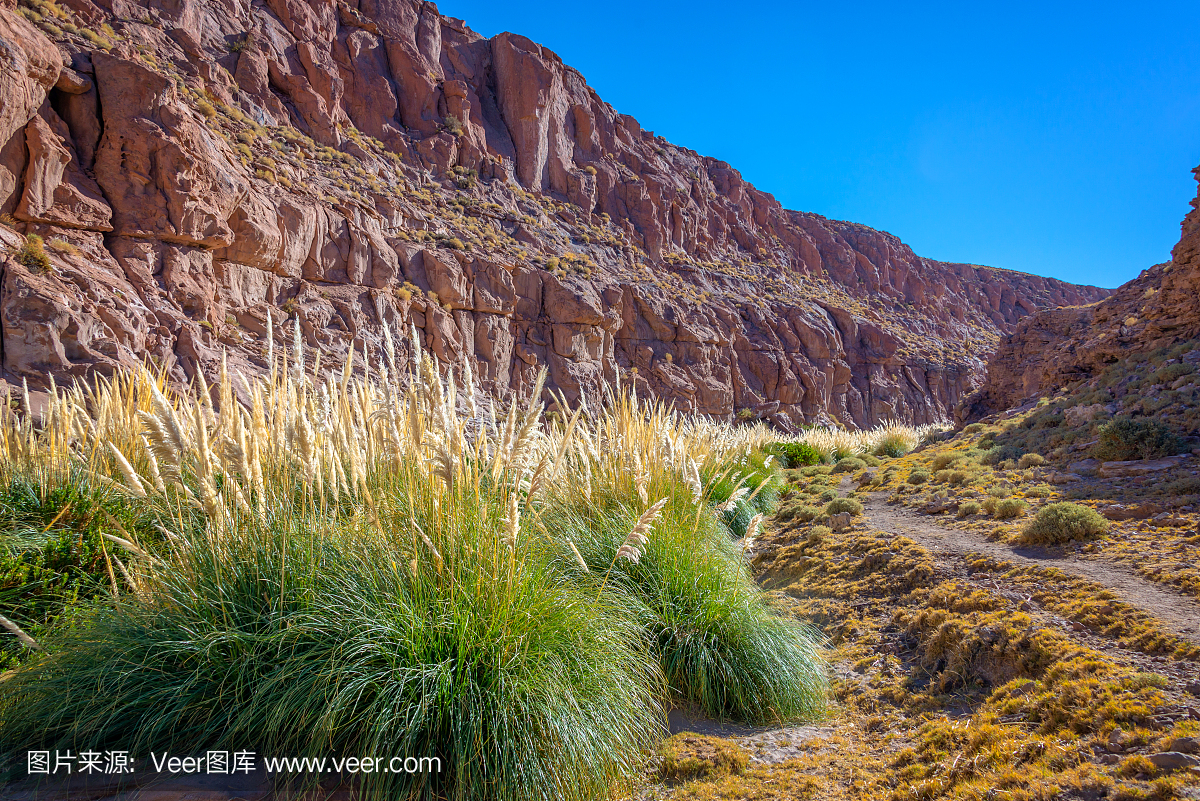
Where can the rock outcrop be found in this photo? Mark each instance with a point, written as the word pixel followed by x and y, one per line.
pixel 1053 348
pixel 361 164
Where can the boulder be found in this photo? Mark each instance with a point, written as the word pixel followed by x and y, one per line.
pixel 1140 467
pixel 1174 760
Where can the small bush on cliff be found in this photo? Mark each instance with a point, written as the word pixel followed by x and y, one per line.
pixel 60 245
pixel 1063 522
pixel 1031 460
pixel 1002 453
pixel 1165 375
pixel 452 125
pixel 1125 439
pixel 32 255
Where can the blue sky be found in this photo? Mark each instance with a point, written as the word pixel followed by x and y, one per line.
pixel 1054 139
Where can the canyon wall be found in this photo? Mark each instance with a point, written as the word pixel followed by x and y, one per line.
pixel 355 165
pixel 1054 348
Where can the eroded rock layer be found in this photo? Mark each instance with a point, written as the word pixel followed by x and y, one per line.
pixel 1057 347
pixel 356 164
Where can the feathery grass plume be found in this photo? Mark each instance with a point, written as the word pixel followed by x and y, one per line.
pixel 469 388
pixel 297 351
pixel 636 540
pixel 512 522
pixel 270 345
pixel 131 477
pixel 691 477
pixel 24 638
pixel 641 479
pixel 751 532
pixel 389 351
pixel 730 504
pixel 579 557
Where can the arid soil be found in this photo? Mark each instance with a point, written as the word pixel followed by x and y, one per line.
pixel 965 665
pixel 1178 613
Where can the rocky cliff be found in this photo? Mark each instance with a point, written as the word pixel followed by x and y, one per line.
pixel 1057 347
pixel 356 164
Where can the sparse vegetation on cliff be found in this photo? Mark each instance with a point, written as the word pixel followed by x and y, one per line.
pixel 32 255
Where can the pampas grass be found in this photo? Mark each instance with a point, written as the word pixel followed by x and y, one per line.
pixel 440 572
pixel 890 438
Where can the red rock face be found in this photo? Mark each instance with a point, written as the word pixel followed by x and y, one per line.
pixel 357 165
pixel 1053 348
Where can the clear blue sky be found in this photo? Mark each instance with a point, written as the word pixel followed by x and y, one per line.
pixel 1054 139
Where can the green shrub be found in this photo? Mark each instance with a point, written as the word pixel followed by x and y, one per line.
pixel 793 454
pixel 840 505
pixel 968 508
pixel 1125 439
pixel 1063 522
pixel 32 255
pixel 1031 460
pixel 1009 508
pixel 51 553
pixel 918 477
pixel 849 465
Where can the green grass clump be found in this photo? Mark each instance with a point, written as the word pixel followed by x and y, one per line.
pixel 719 645
pixel 1125 439
pixel 1063 522
pixel 429 657
pixel 761 483
pixel 850 464
pixel 840 505
pixel 53 555
pixel 918 477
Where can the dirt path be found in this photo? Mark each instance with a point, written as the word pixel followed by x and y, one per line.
pixel 1179 614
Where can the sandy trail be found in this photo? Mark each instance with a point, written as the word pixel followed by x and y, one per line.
pixel 1178 613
